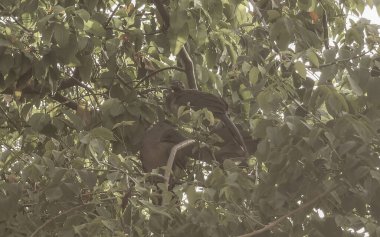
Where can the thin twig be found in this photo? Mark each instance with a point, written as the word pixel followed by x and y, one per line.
pixel 340 61
pixel 64 213
pixel 64 101
pixel 22 26
pixel 153 32
pixel 112 14
pixel 163 13
pixel 88 89
pixel 183 54
pixel 9 119
pixel 300 208
pixel 257 11
pixel 157 71
pixel 189 68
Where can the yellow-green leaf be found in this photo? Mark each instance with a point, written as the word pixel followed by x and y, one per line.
pixel 300 69
pixel 313 57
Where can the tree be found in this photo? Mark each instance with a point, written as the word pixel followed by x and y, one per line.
pixel 82 80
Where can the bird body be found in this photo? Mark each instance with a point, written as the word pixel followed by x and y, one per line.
pixel 161 137
pixel 156 146
pixel 197 100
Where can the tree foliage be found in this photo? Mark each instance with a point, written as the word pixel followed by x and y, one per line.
pixel 82 80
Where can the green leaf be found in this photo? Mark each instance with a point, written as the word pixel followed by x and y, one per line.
pixel 232 52
pixel 112 225
pixel 85 68
pixel 90 4
pixel 148 113
pixel 39 121
pixel 201 34
pixel 269 100
pixel 82 13
pixel 245 67
pixel 297 126
pixel 103 133
pixel 281 32
pixel 376 175
pixel 178 39
pixel 305 5
pixel 123 124
pixel 6 62
pixel 241 14
pixel 95 28
pixel 114 107
pixel 61 34
pixel 157 210
pixel 29 6
pixel 358 80
pixel 254 75
pixel 312 57
pixel 88 178
pixel 273 15
pixel 53 194
pixel 211 57
pixel 336 104
pixel 4 42
pixel 112 46
pixel 300 69
pixel 209 116
pixel 245 92
pixel 75 119
pixel 34 172
pixel 373 91
pixel 78 22
pixel 57 9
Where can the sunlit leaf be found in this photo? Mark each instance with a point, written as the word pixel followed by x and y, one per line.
pixel 300 69
pixel 94 27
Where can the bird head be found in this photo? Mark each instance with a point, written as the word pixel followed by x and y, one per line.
pixel 176 85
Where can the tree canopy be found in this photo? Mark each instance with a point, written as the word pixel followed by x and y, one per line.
pixel 81 81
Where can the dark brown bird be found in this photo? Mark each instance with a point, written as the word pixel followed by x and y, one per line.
pixel 198 100
pixel 157 144
pixel 160 139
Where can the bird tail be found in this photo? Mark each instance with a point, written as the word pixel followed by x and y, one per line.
pixel 238 138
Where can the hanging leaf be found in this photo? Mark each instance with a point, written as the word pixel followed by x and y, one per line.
pixel 300 69
pixel 95 28
pixel 103 133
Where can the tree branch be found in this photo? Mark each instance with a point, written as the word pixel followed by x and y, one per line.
pixel 10 121
pixel 57 216
pixel 81 84
pixel 64 101
pixel 112 14
pixel 155 72
pixel 21 25
pixel 300 208
pixel 183 54
pixel 33 91
pixel 64 213
pixel 170 162
pixel 340 61
pixel 189 68
pixel 256 11
pixel 163 13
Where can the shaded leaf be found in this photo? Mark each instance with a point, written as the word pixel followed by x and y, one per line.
pixel 103 133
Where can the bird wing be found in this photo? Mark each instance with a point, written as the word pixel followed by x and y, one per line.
pixel 198 100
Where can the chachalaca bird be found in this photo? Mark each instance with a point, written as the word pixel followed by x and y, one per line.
pixel 198 100
pixel 160 139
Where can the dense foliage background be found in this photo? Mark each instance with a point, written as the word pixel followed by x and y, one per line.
pixel 81 81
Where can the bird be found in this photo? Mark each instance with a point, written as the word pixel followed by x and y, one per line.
pixel 196 100
pixel 157 144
